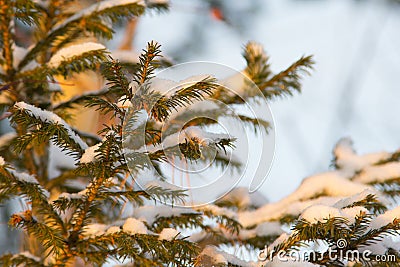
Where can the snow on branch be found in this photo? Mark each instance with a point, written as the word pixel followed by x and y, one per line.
pixel 320 213
pixel 24 177
pixel 189 133
pixel 150 214
pixel 50 117
pixel 99 7
pixel 130 226
pixel 378 173
pixel 28 179
pixel 330 184
pixel 349 162
pixel 134 226
pixel 213 256
pixel 386 218
pixel 72 51
pixel 90 154
pixel 94 229
pixel 168 234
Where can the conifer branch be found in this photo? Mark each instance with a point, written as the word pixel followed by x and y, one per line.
pixel 117 82
pixel 20 259
pixel 257 69
pixel 287 81
pixel 147 63
pixel 80 99
pixel 87 221
pixel 51 127
pixel 90 20
pixel 83 62
pixel 27 12
pixel 164 105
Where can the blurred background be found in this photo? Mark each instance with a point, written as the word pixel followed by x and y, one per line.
pixel 353 91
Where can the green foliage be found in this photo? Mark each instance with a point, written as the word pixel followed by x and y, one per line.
pixel 84 212
pixel 68 223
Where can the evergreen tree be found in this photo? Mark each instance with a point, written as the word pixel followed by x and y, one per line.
pixel 67 225
pixel 333 217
